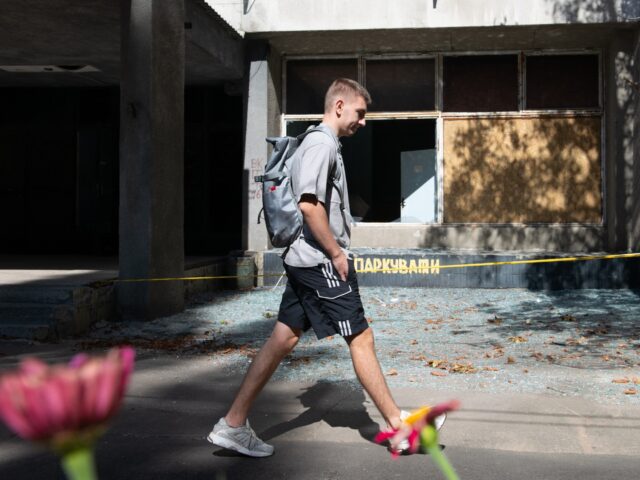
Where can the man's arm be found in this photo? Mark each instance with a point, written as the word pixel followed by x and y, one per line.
pixel 315 216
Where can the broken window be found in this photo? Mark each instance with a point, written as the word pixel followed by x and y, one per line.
pixel 308 81
pixel 401 85
pixel 562 82
pixel 391 170
pixel 480 83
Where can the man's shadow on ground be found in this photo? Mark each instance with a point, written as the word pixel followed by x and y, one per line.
pixel 339 403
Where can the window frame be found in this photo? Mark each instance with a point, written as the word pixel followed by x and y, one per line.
pixel 548 53
pixel 440 116
pixel 474 53
pixel 311 57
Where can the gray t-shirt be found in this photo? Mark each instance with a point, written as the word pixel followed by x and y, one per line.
pixel 317 169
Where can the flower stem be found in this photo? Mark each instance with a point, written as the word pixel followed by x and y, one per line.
pixel 78 464
pixel 442 463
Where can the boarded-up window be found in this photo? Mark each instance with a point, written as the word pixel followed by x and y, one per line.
pixel 308 80
pixel 480 83
pixel 401 85
pixel 562 81
pixel 522 170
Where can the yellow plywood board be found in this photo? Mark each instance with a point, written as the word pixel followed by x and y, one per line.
pixel 522 170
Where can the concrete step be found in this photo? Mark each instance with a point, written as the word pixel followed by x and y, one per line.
pixel 37 294
pixel 34 321
pixel 39 332
pixel 26 312
pixel 53 311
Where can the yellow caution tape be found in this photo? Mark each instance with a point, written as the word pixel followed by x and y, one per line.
pixel 382 270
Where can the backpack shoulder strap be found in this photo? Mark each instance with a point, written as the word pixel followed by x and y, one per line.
pixel 332 174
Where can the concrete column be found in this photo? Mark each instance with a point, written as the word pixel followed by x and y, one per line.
pixel 261 120
pixel 619 152
pixel 151 157
pixel 634 239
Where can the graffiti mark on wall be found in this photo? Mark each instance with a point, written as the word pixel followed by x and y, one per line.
pixel 255 188
pixel 421 266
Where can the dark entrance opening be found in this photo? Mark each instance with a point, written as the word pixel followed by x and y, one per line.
pixel 59 171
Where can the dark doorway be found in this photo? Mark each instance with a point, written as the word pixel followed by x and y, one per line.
pixel 59 170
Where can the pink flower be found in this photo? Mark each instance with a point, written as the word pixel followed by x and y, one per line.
pixel 65 404
pixel 413 425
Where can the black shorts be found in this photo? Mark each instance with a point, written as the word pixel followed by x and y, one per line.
pixel 317 297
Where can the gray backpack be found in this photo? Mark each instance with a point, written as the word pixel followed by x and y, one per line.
pixel 282 214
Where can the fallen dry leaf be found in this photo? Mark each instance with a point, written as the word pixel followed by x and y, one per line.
pixel 420 358
pixel 490 369
pixel 413 342
pixel 620 380
pixel 437 363
pixel 630 391
pixel 495 353
pixel 511 360
pixel 568 318
pixel 392 372
pixel 463 368
pixel 439 373
pixel 525 371
pixel 495 320
pixel 518 339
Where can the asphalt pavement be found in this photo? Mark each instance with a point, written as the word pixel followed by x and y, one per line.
pixel 510 425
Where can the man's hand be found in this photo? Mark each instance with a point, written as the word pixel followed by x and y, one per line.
pixel 315 216
pixel 341 265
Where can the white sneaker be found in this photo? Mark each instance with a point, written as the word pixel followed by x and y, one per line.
pixel 241 439
pixel 403 446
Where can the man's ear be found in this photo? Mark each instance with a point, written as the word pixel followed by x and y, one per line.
pixel 339 106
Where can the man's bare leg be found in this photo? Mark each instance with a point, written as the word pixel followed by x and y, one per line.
pixel 368 371
pixel 283 339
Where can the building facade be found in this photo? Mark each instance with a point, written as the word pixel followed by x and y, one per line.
pixel 136 127
pixel 501 126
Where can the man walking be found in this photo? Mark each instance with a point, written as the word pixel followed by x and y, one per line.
pixel 322 288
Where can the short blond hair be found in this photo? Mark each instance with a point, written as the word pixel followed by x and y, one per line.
pixel 344 87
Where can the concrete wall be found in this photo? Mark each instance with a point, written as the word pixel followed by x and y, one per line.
pixel 231 11
pixel 304 15
pixel 480 237
pixel 621 194
pixel 262 119
pixel 620 101
pixel 634 234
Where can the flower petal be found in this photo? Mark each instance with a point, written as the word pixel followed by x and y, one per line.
pixel 12 405
pixel 384 435
pixel 40 402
